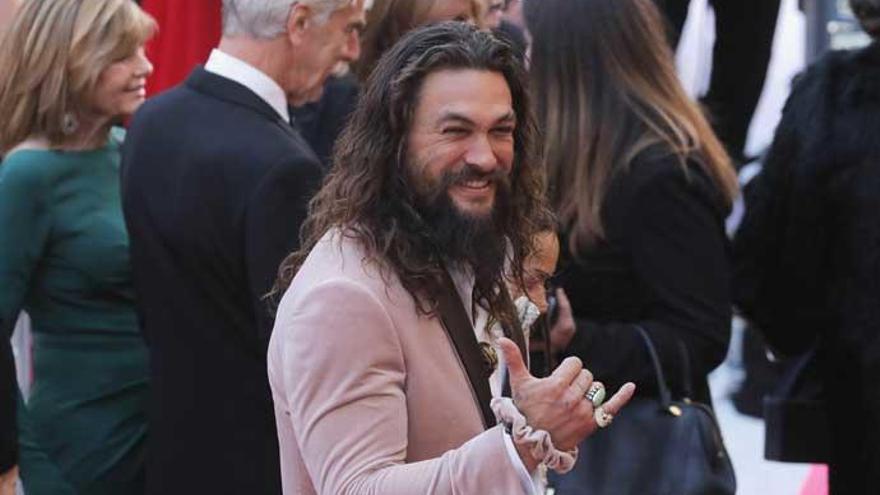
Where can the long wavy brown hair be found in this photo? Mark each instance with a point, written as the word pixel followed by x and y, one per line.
pixel 366 197
pixel 606 90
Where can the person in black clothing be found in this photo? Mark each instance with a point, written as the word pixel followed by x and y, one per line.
pixel 641 186
pixel 744 32
pixel 215 184
pixel 808 250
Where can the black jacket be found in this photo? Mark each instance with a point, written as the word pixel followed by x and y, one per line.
pixel 664 266
pixel 808 250
pixel 215 186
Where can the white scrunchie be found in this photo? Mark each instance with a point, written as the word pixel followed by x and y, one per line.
pixel 538 441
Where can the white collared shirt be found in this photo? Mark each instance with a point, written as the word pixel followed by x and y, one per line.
pixel 225 65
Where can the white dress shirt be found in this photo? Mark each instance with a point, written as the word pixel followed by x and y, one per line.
pixel 225 65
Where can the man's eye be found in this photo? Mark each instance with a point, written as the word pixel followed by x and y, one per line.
pixel 504 131
pixel 455 130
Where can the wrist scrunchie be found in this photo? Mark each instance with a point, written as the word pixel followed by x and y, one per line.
pixel 538 442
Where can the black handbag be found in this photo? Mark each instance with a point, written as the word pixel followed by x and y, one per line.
pixel 653 447
pixel 795 415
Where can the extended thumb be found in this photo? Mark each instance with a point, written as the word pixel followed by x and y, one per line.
pixel 513 359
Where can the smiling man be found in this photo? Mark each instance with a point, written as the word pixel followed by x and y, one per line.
pixel 215 186
pixel 379 387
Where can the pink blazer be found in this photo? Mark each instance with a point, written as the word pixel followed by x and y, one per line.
pixel 370 397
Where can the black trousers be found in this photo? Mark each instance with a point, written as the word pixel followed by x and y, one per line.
pixel 743 43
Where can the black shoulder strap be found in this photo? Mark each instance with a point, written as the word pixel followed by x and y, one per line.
pixel 461 332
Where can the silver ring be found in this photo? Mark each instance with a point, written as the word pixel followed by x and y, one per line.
pixel 596 394
pixel 603 418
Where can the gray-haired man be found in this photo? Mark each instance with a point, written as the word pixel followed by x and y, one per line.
pixel 215 186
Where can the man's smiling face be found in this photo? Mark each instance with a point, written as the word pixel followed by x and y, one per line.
pixel 461 141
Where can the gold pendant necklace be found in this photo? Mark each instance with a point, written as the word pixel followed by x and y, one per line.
pixel 490 356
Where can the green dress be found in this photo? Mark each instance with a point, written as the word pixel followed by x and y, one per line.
pixel 64 259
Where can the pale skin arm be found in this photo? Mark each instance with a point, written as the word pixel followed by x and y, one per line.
pixel 7 481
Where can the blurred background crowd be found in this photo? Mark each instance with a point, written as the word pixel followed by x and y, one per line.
pixel 758 277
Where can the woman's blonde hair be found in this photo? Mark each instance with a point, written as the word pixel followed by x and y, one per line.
pixel 606 90
pixel 51 57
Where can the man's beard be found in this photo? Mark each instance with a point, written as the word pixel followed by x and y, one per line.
pixel 477 241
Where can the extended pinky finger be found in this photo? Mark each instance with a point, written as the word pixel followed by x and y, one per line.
pixel 619 399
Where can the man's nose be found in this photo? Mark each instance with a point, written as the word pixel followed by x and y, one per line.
pixel 481 155
pixel 352 49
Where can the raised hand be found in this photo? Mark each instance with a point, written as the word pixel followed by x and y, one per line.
pixel 557 404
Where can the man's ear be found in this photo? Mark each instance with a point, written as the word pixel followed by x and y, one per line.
pixel 299 21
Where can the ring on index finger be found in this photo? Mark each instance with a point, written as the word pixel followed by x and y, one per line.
pixel 596 394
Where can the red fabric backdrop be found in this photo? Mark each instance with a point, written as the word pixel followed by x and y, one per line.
pixel 188 30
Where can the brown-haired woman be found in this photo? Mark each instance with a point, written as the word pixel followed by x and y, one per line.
pixel 71 68
pixel 642 188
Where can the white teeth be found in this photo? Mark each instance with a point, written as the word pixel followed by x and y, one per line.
pixel 476 184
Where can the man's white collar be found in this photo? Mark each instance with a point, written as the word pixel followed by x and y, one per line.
pixel 224 64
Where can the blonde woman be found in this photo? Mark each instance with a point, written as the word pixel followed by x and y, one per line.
pixel 71 69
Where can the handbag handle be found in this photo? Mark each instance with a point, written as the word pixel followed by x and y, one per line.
pixel 662 386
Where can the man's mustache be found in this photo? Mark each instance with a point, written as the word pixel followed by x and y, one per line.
pixel 471 172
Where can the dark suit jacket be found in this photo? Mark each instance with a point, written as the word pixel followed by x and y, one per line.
pixel 664 265
pixel 215 187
